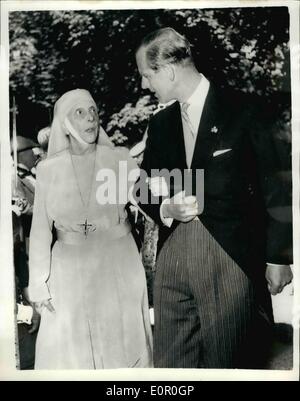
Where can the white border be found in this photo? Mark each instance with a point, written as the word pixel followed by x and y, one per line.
pixel 295 78
pixel 7 357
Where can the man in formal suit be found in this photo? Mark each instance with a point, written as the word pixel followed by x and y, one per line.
pixel 211 302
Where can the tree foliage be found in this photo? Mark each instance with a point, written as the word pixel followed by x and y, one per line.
pixel 54 51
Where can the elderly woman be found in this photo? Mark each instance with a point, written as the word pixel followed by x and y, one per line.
pixel 86 277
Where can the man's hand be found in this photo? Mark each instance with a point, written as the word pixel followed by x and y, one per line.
pixel 278 277
pixel 181 208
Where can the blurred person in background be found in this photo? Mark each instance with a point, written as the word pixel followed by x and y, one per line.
pixel 43 139
pixel 23 188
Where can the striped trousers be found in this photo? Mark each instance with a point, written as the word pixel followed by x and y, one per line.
pixel 206 315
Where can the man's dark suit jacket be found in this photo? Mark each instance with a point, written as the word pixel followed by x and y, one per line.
pixel 247 205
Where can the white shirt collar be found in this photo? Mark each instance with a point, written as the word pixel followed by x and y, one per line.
pixel 200 92
pixel 196 101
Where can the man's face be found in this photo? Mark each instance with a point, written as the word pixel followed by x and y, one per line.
pixel 158 82
pixel 84 119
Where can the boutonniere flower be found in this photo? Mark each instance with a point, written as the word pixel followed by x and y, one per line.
pixel 158 186
pixel 214 130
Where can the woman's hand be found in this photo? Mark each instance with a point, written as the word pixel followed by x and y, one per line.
pixel 39 306
pixel 37 310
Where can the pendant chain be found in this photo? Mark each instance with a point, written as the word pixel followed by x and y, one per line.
pixel 86 227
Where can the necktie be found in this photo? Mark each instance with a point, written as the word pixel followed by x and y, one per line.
pixel 189 140
pixel 188 133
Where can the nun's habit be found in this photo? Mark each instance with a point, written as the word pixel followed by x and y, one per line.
pixel 93 273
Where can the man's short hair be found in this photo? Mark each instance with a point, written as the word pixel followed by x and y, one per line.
pixel 166 46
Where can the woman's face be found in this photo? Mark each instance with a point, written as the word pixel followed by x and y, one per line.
pixel 84 119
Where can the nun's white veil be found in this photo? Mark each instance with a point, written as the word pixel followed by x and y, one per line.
pixel 58 139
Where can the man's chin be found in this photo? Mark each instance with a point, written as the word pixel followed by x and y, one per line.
pixel 158 97
pixel 162 100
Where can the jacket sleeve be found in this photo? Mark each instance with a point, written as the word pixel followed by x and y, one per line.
pixel 128 172
pixel 273 159
pixel 149 203
pixel 40 241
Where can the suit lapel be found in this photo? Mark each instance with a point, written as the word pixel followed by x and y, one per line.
pixel 210 129
pixel 176 140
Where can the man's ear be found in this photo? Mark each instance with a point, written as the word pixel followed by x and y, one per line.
pixel 170 70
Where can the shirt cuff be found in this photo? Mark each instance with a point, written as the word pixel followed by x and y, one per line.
pixel 167 221
pixel 274 265
pixel 24 314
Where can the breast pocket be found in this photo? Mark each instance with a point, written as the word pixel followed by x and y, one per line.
pixel 222 153
pixel 220 173
pixel 222 158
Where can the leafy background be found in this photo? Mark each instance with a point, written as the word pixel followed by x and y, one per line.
pixel 55 51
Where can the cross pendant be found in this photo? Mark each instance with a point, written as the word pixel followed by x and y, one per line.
pixel 86 227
